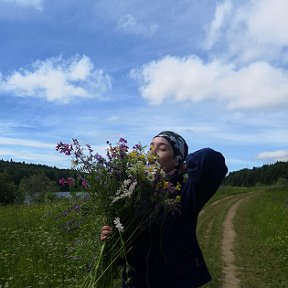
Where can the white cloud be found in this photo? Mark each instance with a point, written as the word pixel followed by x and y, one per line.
pixel 37 4
pixel 7 126
pixel 268 21
pixel 24 142
pixel 280 155
pixel 130 24
pixel 58 80
pixel 38 152
pixel 249 45
pixel 45 158
pixel 222 11
pixel 255 30
pixel 256 86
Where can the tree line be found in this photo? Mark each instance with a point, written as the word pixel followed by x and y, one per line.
pixel 268 174
pixel 19 180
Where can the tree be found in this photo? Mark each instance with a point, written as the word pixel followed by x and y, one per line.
pixel 38 187
pixel 8 190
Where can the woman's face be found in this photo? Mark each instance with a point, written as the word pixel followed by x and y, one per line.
pixel 161 147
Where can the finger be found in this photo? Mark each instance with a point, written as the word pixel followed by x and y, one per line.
pixel 106 228
pixel 103 237
pixel 106 232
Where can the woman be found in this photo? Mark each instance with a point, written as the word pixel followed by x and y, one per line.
pixel 167 254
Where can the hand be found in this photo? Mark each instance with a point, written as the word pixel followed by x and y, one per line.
pixel 105 232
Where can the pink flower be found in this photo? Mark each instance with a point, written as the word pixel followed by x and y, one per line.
pixel 84 183
pixel 62 182
pixel 70 181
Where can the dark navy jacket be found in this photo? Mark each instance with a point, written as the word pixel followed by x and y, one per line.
pixel 167 254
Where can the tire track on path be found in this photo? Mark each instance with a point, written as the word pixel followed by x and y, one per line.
pixel 230 271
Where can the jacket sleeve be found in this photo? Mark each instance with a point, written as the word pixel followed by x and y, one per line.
pixel 206 171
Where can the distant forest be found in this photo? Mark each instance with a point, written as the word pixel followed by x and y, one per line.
pixel 37 183
pixel 18 170
pixel 266 175
pixel 17 179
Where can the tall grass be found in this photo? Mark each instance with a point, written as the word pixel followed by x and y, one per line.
pixel 262 246
pixel 41 246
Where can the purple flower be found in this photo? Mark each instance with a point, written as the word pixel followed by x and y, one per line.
pixel 76 142
pixel 122 140
pixel 64 148
pixel 99 157
pixel 122 145
pixel 62 181
pixel 137 147
pixel 89 148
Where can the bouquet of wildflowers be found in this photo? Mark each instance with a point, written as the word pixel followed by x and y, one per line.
pixel 126 190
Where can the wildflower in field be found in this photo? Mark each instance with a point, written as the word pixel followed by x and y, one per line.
pixel 70 181
pixel 62 182
pixel 84 183
pixel 118 224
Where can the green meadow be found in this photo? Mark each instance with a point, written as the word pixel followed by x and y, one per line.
pixel 54 244
pixel 45 245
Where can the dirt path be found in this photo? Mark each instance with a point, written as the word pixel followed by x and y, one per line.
pixel 229 269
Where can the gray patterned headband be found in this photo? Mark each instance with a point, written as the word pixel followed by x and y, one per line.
pixel 177 143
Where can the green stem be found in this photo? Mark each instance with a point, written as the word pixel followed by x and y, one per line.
pixel 96 267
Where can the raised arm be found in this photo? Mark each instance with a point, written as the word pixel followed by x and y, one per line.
pixel 206 170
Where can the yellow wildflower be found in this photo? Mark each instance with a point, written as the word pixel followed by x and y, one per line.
pixel 178 186
pixel 165 184
pixel 133 154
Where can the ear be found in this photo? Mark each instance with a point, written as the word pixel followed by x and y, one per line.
pixel 176 163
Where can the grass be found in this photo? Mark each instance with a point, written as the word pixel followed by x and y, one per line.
pixel 41 247
pixel 262 246
pixel 51 245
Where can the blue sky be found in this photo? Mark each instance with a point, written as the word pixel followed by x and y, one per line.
pixel 216 72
